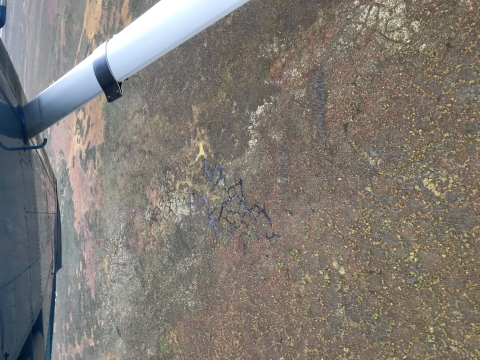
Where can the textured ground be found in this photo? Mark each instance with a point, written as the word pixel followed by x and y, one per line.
pixel 298 181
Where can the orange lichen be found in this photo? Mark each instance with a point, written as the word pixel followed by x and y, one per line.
pixel 91 21
pixel 72 351
pixel 111 356
pixel 126 17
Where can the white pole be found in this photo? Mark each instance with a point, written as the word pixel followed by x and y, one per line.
pixel 162 28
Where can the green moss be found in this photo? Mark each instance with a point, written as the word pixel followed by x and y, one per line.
pixel 164 348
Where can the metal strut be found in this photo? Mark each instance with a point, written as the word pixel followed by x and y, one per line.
pixel 110 86
pixel 24 148
pixel 18 113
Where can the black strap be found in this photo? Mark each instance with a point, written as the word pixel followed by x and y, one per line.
pixel 110 86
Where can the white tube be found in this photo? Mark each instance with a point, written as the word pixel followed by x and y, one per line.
pixel 67 94
pixel 162 28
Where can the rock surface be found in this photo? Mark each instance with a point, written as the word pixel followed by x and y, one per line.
pixel 298 181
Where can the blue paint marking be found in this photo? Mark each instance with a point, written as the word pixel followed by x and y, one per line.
pixel 234 213
pixel 273 236
pixel 211 174
pixel 319 87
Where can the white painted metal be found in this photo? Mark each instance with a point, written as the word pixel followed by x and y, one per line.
pixel 73 90
pixel 165 26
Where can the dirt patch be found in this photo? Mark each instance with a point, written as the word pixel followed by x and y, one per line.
pixel 126 16
pixel 71 351
pixel 52 10
pixel 85 127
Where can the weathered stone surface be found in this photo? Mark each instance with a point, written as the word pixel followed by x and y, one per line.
pixel 298 181
pixel 462 219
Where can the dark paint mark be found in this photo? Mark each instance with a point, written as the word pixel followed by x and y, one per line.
pixel 273 236
pixel 319 87
pixel 211 174
pixel 412 281
pixel 234 213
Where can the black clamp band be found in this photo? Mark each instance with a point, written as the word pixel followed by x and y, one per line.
pixel 110 86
